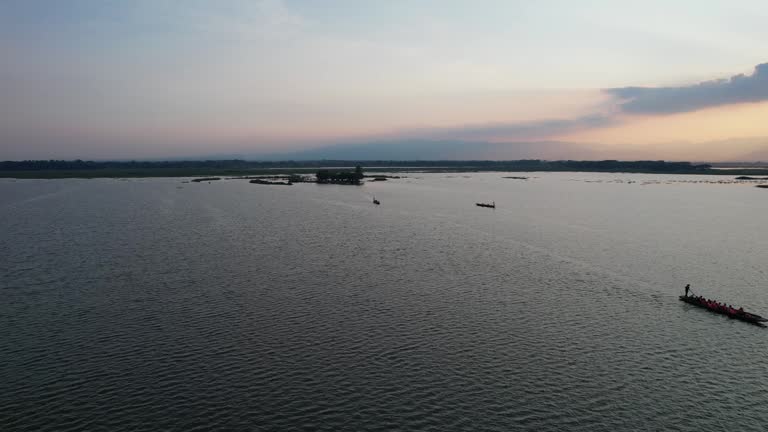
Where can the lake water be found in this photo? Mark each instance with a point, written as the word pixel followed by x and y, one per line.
pixel 152 304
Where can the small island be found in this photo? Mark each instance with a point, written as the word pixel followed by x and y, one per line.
pixel 285 180
pixel 323 176
pixel 270 182
pixel 382 177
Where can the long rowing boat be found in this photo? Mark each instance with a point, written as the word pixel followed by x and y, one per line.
pixel 730 313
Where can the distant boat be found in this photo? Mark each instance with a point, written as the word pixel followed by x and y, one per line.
pixel 375 201
pixel 491 205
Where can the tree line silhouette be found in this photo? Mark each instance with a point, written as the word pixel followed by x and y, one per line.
pixel 237 164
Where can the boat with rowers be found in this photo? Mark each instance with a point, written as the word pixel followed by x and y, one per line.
pixel 723 309
pixel 492 205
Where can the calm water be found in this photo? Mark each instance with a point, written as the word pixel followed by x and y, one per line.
pixel 149 305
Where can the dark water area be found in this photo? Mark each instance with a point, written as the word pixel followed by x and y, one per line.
pixel 152 304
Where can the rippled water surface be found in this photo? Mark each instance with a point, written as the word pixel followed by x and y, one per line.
pixel 153 304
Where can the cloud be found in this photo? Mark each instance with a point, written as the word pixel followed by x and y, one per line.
pixel 531 130
pixel 437 150
pixel 667 100
pixel 514 140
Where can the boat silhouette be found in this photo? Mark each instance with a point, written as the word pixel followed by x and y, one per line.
pixel 723 309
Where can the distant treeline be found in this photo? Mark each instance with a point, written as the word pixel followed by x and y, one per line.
pixel 236 164
pixel 41 165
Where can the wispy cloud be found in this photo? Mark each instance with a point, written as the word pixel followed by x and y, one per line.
pixel 531 130
pixel 667 100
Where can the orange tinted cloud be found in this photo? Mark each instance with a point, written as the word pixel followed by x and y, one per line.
pixel 710 124
pixel 724 132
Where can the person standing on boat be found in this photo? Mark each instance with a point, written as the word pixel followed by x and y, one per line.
pixel 687 288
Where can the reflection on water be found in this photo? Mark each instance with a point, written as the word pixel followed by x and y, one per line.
pixel 136 305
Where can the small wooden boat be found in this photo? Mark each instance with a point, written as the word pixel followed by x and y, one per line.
pixel 375 201
pixel 492 205
pixel 738 314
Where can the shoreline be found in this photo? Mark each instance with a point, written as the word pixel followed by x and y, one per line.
pixel 206 172
pixel 53 169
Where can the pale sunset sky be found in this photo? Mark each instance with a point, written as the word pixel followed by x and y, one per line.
pixel 608 79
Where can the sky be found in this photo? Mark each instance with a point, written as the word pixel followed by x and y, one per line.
pixel 614 79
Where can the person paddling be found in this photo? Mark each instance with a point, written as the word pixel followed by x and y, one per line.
pixel 687 288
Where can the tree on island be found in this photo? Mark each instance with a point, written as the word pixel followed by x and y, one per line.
pixel 323 176
pixel 340 177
